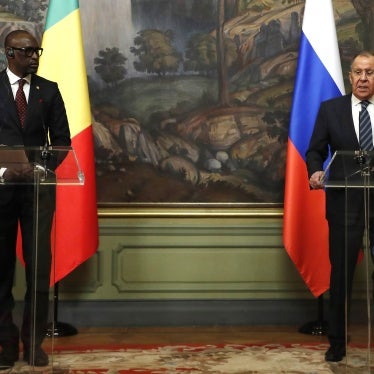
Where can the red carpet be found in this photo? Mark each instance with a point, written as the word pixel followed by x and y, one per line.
pixel 197 359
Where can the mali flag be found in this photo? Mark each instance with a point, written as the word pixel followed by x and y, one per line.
pixel 318 78
pixel 76 210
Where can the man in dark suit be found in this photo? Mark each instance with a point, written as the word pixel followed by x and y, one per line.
pixel 44 122
pixel 337 128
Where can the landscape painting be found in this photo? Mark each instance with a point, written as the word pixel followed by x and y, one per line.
pixel 191 103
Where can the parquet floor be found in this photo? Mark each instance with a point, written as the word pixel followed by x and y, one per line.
pixel 186 335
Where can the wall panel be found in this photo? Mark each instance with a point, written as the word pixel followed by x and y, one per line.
pixel 168 258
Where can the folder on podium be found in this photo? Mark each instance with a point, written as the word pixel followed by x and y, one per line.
pixel 55 165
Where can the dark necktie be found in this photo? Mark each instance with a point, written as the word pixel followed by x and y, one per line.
pixel 366 136
pixel 21 101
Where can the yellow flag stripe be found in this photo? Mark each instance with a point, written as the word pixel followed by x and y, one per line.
pixel 63 62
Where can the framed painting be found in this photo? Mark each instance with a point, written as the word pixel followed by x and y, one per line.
pixel 191 100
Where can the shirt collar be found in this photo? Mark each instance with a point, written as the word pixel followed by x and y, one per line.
pixel 14 78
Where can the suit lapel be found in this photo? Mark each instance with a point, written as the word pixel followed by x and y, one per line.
pixel 32 104
pixel 346 123
pixel 7 99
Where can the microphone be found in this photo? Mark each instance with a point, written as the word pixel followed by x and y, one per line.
pixel 360 157
pixel 45 155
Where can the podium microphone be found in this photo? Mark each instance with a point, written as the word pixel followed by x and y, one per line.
pixel 45 155
pixel 360 157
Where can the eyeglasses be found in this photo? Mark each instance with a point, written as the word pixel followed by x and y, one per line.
pixel 360 73
pixel 29 51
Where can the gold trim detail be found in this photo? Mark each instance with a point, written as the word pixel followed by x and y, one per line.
pixel 191 211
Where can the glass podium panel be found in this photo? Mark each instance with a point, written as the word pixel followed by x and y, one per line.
pixel 52 165
pixel 350 173
pixel 30 176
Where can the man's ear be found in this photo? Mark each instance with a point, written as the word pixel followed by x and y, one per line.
pixel 10 52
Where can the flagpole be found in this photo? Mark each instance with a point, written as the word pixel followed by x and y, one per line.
pixel 56 328
pixel 318 327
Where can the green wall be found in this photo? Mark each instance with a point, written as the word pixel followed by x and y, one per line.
pixel 187 253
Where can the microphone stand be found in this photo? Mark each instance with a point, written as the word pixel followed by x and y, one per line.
pixel 56 328
pixel 318 327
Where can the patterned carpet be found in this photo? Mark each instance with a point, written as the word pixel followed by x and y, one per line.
pixel 217 359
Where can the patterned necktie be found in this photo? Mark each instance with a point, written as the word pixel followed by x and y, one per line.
pixel 366 136
pixel 21 101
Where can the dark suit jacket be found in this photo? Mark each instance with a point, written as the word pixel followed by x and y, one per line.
pixel 334 129
pixel 45 113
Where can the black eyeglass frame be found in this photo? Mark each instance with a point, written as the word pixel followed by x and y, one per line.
pixel 29 51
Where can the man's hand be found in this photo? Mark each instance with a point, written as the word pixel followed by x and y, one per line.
pixel 316 180
pixel 21 173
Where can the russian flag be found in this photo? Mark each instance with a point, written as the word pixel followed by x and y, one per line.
pixel 318 78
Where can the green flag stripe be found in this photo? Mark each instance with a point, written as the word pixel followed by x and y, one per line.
pixel 59 9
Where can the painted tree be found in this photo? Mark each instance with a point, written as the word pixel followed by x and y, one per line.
pixel 201 54
pixel 365 9
pixel 155 52
pixel 110 65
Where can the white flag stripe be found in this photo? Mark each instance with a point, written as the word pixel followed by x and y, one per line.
pixel 322 37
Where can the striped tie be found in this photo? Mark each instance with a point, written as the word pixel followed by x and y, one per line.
pixel 366 136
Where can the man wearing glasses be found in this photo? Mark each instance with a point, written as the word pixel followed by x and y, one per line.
pixel 32 114
pixel 345 124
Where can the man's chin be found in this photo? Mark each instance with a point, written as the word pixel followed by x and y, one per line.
pixel 32 69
